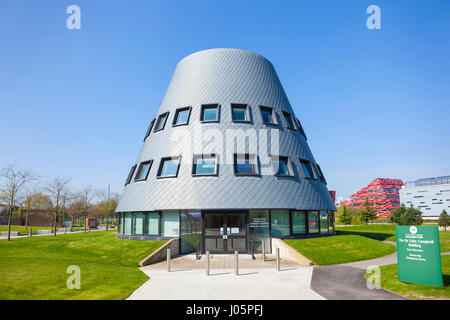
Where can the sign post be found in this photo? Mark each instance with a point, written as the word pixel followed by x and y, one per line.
pixel 419 256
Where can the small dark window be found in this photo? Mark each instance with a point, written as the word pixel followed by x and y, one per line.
pixel 209 113
pixel 288 120
pixel 306 169
pixel 240 113
pixel 169 167
pixel 143 171
pixel 182 116
pixel 130 175
pixel 204 165
pixel 268 115
pixel 245 164
pixel 300 128
pixel 282 166
pixel 150 127
pixel 161 122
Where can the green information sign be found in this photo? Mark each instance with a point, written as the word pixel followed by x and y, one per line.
pixel 419 256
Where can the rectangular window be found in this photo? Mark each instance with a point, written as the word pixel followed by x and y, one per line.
pixel 169 167
pixel 259 229
pixel 143 171
pixel 161 123
pixel 127 226
pixel 121 223
pixel 130 175
pixel 209 113
pixel 282 166
pixel 323 221
pixel 313 221
pixel 288 120
pixel 268 115
pixel 170 224
pixel 245 164
pixel 150 127
pixel 331 221
pixel 280 223
pixel 300 128
pixel 152 223
pixel 204 165
pixel 306 169
pixel 138 223
pixel 298 222
pixel 182 116
pixel 239 113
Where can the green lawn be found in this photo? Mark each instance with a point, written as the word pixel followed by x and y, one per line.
pixel 35 268
pixel 389 281
pixel 340 249
pixel 22 228
pixel 387 232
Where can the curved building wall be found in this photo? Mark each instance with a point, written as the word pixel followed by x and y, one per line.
pixel 224 76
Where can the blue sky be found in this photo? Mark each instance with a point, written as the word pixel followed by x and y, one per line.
pixel 374 103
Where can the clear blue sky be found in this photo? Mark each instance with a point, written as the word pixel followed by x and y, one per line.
pixel 374 103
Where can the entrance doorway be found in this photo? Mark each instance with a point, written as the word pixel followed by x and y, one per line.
pixel 225 232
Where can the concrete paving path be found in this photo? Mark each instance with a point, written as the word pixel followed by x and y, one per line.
pixel 222 284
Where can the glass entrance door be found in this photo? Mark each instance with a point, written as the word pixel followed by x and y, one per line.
pixel 225 232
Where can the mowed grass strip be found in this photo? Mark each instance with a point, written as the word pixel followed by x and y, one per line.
pixel 35 268
pixel 387 232
pixel 22 228
pixel 389 281
pixel 340 249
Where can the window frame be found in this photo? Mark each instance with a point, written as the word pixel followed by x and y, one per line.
pixel 254 165
pixel 161 164
pixel 241 106
pixel 312 173
pixel 150 128
pixel 210 106
pixel 290 173
pixel 284 113
pixel 272 114
pixel 320 173
pixel 150 162
pixel 209 156
pixel 130 175
pixel 159 119
pixel 300 127
pixel 177 113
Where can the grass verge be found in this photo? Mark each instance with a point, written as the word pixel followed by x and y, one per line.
pixel 35 268
pixel 340 249
pixel 387 232
pixel 389 281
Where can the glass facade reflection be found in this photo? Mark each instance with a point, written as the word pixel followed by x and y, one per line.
pixel 245 229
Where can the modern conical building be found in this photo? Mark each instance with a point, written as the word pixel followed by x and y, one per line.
pixel 225 163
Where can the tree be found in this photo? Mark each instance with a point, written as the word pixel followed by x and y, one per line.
pixel 57 189
pixel 368 214
pixel 412 216
pixel 87 194
pixel 345 217
pixel 11 190
pixel 444 220
pixel 397 213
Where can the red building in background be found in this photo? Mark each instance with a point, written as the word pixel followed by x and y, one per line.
pixel 333 195
pixel 383 195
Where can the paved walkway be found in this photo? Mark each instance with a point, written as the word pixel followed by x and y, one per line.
pixel 49 234
pixel 252 284
pixel 341 282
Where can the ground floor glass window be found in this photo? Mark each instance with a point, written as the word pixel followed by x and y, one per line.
pixel 138 223
pixel 280 223
pixel 313 221
pixel 323 221
pixel 298 222
pixel 259 229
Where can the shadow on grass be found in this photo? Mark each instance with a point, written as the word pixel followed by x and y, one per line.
pixel 371 235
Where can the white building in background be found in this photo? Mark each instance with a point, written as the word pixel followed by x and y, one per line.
pixel 430 195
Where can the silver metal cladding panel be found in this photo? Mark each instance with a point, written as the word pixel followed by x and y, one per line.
pixel 223 76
